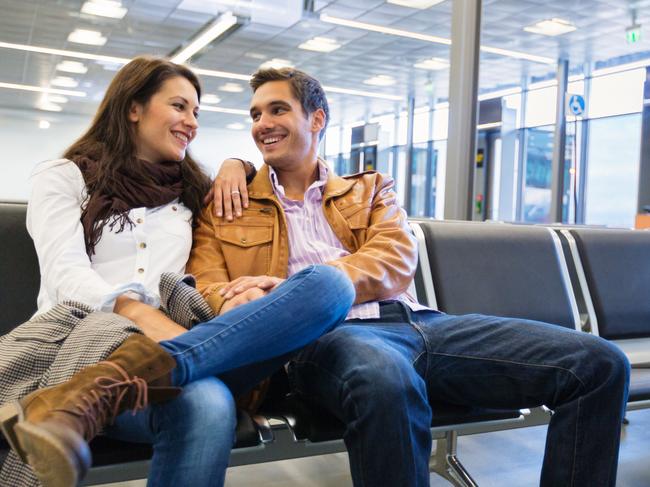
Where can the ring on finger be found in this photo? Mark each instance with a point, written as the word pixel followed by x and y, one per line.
pixel 234 192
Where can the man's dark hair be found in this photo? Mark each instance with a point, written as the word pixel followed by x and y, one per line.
pixel 307 90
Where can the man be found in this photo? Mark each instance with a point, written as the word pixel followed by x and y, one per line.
pixel 377 371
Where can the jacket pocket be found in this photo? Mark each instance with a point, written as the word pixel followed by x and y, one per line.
pixel 246 235
pixel 357 216
pixel 246 247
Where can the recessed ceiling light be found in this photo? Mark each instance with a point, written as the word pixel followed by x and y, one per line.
pixel 415 3
pixel 231 88
pixel 68 66
pixel 433 64
pixel 84 36
pixel 380 80
pixel 552 27
pixel 43 124
pixel 58 99
pixel 236 126
pixel 210 98
pixel 222 25
pixel 104 8
pixel 65 82
pixel 49 107
pixel 320 44
pixel 276 63
pixel 255 55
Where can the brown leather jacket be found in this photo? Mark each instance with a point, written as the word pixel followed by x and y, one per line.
pixel 362 211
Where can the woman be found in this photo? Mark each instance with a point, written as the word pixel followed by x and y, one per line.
pixel 107 221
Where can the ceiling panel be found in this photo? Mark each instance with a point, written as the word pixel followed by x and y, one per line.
pixel 159 27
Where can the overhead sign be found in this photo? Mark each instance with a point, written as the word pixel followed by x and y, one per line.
pixel 576 105
pixel 633 34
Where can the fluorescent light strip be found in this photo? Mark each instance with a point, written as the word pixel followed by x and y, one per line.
pixel 220 74
pixel 232 111
pixel 491 125
pixel 40 89
pixel 429 38
pixel 384 30
pixel 368 94
pixel 199 71
pixel 218 28
pixel 62 52
pixel 499 94
pixel 519 55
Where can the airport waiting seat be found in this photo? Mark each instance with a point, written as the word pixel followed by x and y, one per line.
pixel 497 269
pixel 613 271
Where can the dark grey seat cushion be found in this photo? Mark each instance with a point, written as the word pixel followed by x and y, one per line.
pixel 18 268
pixel 497 269
pixel 617 269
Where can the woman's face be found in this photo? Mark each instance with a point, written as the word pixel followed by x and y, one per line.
pixel 167 123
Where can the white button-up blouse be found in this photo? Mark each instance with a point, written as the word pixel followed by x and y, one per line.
pixel 130 261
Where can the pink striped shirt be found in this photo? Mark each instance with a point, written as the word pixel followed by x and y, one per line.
pixel 312 240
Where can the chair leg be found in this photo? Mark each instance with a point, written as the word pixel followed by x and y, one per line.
pixel 445 462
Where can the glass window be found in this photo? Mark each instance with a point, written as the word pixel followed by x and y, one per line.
pixel 440 158
pixel 422 195
pixel 617 93
pixel 400 187
pixel 386 162
pixel 514 103
pixel 540 106
pixel 537 178
pixel 346 139
pixel 440 123
pixel 402 128
pixel 386 130
pixel 613 170
pixel 421 126
pixel 333 140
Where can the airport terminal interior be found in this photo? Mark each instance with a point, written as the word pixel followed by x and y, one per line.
pixel 519 111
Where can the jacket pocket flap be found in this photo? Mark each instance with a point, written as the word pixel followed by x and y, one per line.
pixel 246 236
pixel 354 209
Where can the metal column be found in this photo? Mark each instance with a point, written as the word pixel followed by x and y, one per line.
pixel 408 187
pixel 643 198
pixel 581 210
pixel 463 87
pixel 559 143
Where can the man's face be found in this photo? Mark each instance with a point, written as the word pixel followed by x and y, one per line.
pixel 281 131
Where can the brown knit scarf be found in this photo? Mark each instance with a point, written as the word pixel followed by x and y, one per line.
pixel 141 185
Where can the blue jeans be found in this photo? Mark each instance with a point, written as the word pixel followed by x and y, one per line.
pixel 378 377
pixel 193 434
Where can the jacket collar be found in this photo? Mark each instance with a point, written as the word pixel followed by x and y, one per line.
pixel 260 187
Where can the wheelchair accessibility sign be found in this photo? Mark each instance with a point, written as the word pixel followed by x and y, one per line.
pixel 576 105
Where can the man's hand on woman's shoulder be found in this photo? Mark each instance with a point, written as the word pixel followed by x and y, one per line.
pixel 229 193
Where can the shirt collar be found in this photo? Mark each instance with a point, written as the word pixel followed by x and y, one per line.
pixel 316 186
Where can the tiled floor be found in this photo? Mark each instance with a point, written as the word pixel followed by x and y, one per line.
pixel 506 458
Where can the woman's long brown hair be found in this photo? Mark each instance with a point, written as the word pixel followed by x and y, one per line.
pixel 110 140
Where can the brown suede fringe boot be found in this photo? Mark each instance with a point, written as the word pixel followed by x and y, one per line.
pixel 50 428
